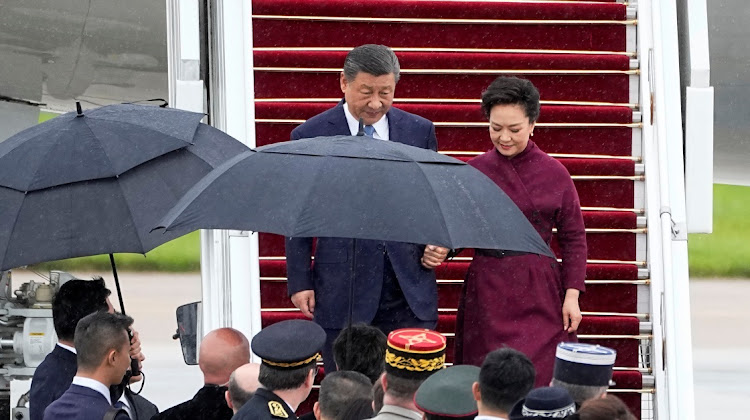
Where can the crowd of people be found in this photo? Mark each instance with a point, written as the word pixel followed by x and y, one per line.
pixel 402 376
pixel 516 355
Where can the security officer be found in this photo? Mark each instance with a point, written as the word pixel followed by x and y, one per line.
pixel 289 351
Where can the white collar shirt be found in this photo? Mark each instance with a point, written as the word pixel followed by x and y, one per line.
pixel 381 126
pixel 93 384
pixel 67 347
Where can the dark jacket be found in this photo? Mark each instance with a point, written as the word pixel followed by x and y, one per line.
pixel 329 277
pixel 265 405
pixel 80 403
pixel 51 379
pixel 208 403
pixel 55 374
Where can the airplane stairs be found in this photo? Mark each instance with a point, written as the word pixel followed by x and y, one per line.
pixel 581 56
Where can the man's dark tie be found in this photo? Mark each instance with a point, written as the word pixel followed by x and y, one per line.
pixel 369 130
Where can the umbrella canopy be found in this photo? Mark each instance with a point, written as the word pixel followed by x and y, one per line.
pixel 356 187
pixel 99 143
pixel 107 215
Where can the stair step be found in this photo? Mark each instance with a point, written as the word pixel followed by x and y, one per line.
pixel 616 141
pixel 409 60
pixel 457 112
pixel 532 10
pixel 589 86
pixel 561 25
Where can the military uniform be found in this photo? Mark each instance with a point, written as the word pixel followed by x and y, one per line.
pixel 265 405
pixel 284 346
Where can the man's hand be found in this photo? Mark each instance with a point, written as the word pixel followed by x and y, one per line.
pixel 305 301
pixel 571 312
pixel 135 353
pixel 433 256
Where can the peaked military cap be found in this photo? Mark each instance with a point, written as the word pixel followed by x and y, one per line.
pixel 584 364
pixel 544 403
pixel 414 353
pixel 289 344
pixel 448 392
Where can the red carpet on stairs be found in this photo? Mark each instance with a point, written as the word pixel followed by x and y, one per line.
pixel 574 52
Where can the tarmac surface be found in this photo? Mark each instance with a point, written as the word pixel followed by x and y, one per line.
pixel 721 343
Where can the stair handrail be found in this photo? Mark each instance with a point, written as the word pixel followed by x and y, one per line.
pixel 665 194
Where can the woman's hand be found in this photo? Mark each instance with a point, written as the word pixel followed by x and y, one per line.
pixel 571 312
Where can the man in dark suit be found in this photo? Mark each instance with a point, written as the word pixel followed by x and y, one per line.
pixel 103 356
pixel 395 284
pixel 75 300
pixel 222 351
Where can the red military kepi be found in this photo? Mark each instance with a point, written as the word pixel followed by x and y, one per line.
pixel 513 299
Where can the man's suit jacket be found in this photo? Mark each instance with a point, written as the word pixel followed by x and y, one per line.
pixel 80 403
pixel 53 377
pixel 329 277
pixel 208 403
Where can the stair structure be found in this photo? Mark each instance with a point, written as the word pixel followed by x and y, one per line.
pixel 582 57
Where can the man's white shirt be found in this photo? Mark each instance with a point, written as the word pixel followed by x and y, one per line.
pixel 381 126
pixel 93 384
pixel 90 383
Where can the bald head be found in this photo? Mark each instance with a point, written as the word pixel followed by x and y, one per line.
pixel 222 351
pixel 242 385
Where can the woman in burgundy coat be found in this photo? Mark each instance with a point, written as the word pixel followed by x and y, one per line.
pixel 525 301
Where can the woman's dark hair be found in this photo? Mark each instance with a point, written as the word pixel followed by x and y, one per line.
pixel 607 408
pixel 512 91
pixel 358 409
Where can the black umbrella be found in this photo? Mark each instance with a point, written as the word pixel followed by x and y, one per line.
pixel 355 187
pixel 107 215
pixel 99 143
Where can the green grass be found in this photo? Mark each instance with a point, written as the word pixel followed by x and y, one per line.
pixel 44 116
pixel 725 252
pixel 181 254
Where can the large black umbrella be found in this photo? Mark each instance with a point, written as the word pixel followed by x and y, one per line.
pixel 355 187
pixel 99 143
pixel 108 215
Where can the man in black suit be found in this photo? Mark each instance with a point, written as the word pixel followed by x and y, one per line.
pixel 222 351
pixel 395 284
pixel 103 356
pixel 75 300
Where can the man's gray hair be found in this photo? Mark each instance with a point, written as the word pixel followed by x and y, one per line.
pixel 580 393
pixel 377 60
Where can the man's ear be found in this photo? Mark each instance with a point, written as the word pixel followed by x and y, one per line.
pixel 112 357
pixel 343 82
pixel 316 410
pixel 384 382
pixel 476 392
pixel 310 378
pixel 228 400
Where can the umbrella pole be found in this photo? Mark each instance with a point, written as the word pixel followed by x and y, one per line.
pixel 117 283
pixel 351 305
pixel 134 368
